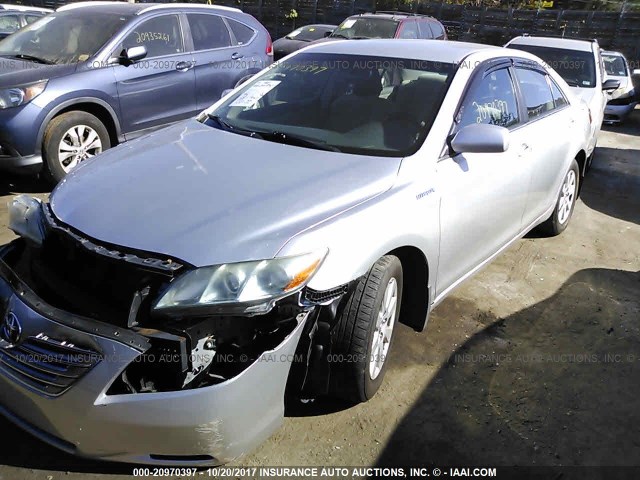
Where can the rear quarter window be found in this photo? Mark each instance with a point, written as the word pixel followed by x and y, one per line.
pixel 242 33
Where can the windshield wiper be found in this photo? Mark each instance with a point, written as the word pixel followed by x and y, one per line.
pixel 232 128
pixel 289 139
pixel 32 58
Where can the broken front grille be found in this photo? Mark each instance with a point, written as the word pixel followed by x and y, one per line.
pixel 99 281
pixel 46 365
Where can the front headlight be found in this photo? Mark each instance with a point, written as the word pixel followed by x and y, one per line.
pixel 16 96
pixel 249 287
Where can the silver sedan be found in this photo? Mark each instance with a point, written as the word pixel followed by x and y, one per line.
pixel 156 308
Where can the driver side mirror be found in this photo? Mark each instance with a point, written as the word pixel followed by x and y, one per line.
pixel 132 55
pixel 480 138
pixel 327 34
pixel 610 85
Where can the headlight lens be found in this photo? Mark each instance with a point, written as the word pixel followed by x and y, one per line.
pixel 16 96
pixel 252 286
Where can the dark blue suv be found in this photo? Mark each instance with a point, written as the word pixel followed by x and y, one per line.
pixel 94 74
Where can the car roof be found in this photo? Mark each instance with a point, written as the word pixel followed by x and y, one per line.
pixel 437 50
pixel 612 53
pixel 554 42
pixel 23 8
pixel 391 15
pixel 140 8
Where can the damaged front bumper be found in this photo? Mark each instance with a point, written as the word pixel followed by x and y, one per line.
pixel 75 410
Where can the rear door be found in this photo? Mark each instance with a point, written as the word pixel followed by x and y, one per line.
pixel 214 56
pixel 160 88
pixel 483 195
pixel 548 113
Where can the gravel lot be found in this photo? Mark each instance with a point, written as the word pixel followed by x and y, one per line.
pixel 535 361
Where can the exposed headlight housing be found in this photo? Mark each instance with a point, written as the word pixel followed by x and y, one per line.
pixel 16 96
pixel 26 218
pixel 243 288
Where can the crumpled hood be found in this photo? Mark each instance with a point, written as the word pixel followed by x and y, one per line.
pixel 208 196
pixel 14 71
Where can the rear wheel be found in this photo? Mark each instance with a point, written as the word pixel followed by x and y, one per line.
pixel 561 215
pixel 70 139
pixel 365 332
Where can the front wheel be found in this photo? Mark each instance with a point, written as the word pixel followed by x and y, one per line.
pixel 71 138
pixel 364 332
pixel 559 219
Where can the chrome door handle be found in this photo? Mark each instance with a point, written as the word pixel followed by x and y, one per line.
pixel 184 66
pixel 236 56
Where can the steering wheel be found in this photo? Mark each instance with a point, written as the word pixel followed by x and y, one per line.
pixel 401 130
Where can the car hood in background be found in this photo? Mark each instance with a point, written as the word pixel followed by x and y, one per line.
pixel 15 71
pixel 208 197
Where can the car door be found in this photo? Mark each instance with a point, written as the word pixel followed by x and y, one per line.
pixel 160 88
pixel 483 195
pixel 548 112
pixel 214 55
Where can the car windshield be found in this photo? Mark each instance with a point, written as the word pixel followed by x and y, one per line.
pixel 576 67
pixel 346 103
pixel 614 65
pixel 308 34
pixel 366 27
pixel 63 37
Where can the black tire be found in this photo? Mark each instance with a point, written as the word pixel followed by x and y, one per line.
pixel 553 225
pixel 244 79
pixel 57 128
pixel 352 342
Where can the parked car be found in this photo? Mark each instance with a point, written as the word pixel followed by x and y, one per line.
pixel 94 74
pixel 623 100
pixel 171 315
pixel 388 25
pixel 579 62
pixel 14 17
pixel 300 37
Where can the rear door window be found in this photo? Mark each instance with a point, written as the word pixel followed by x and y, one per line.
pixel 536 92
pixel 425 30
pixel 31 18
pixel 490 100
pixel 208 31
pixel 558 97
pixel 409 29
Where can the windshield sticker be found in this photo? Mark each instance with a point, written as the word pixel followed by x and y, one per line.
pixel 348 24
pixel 312 29
pixel 254 93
